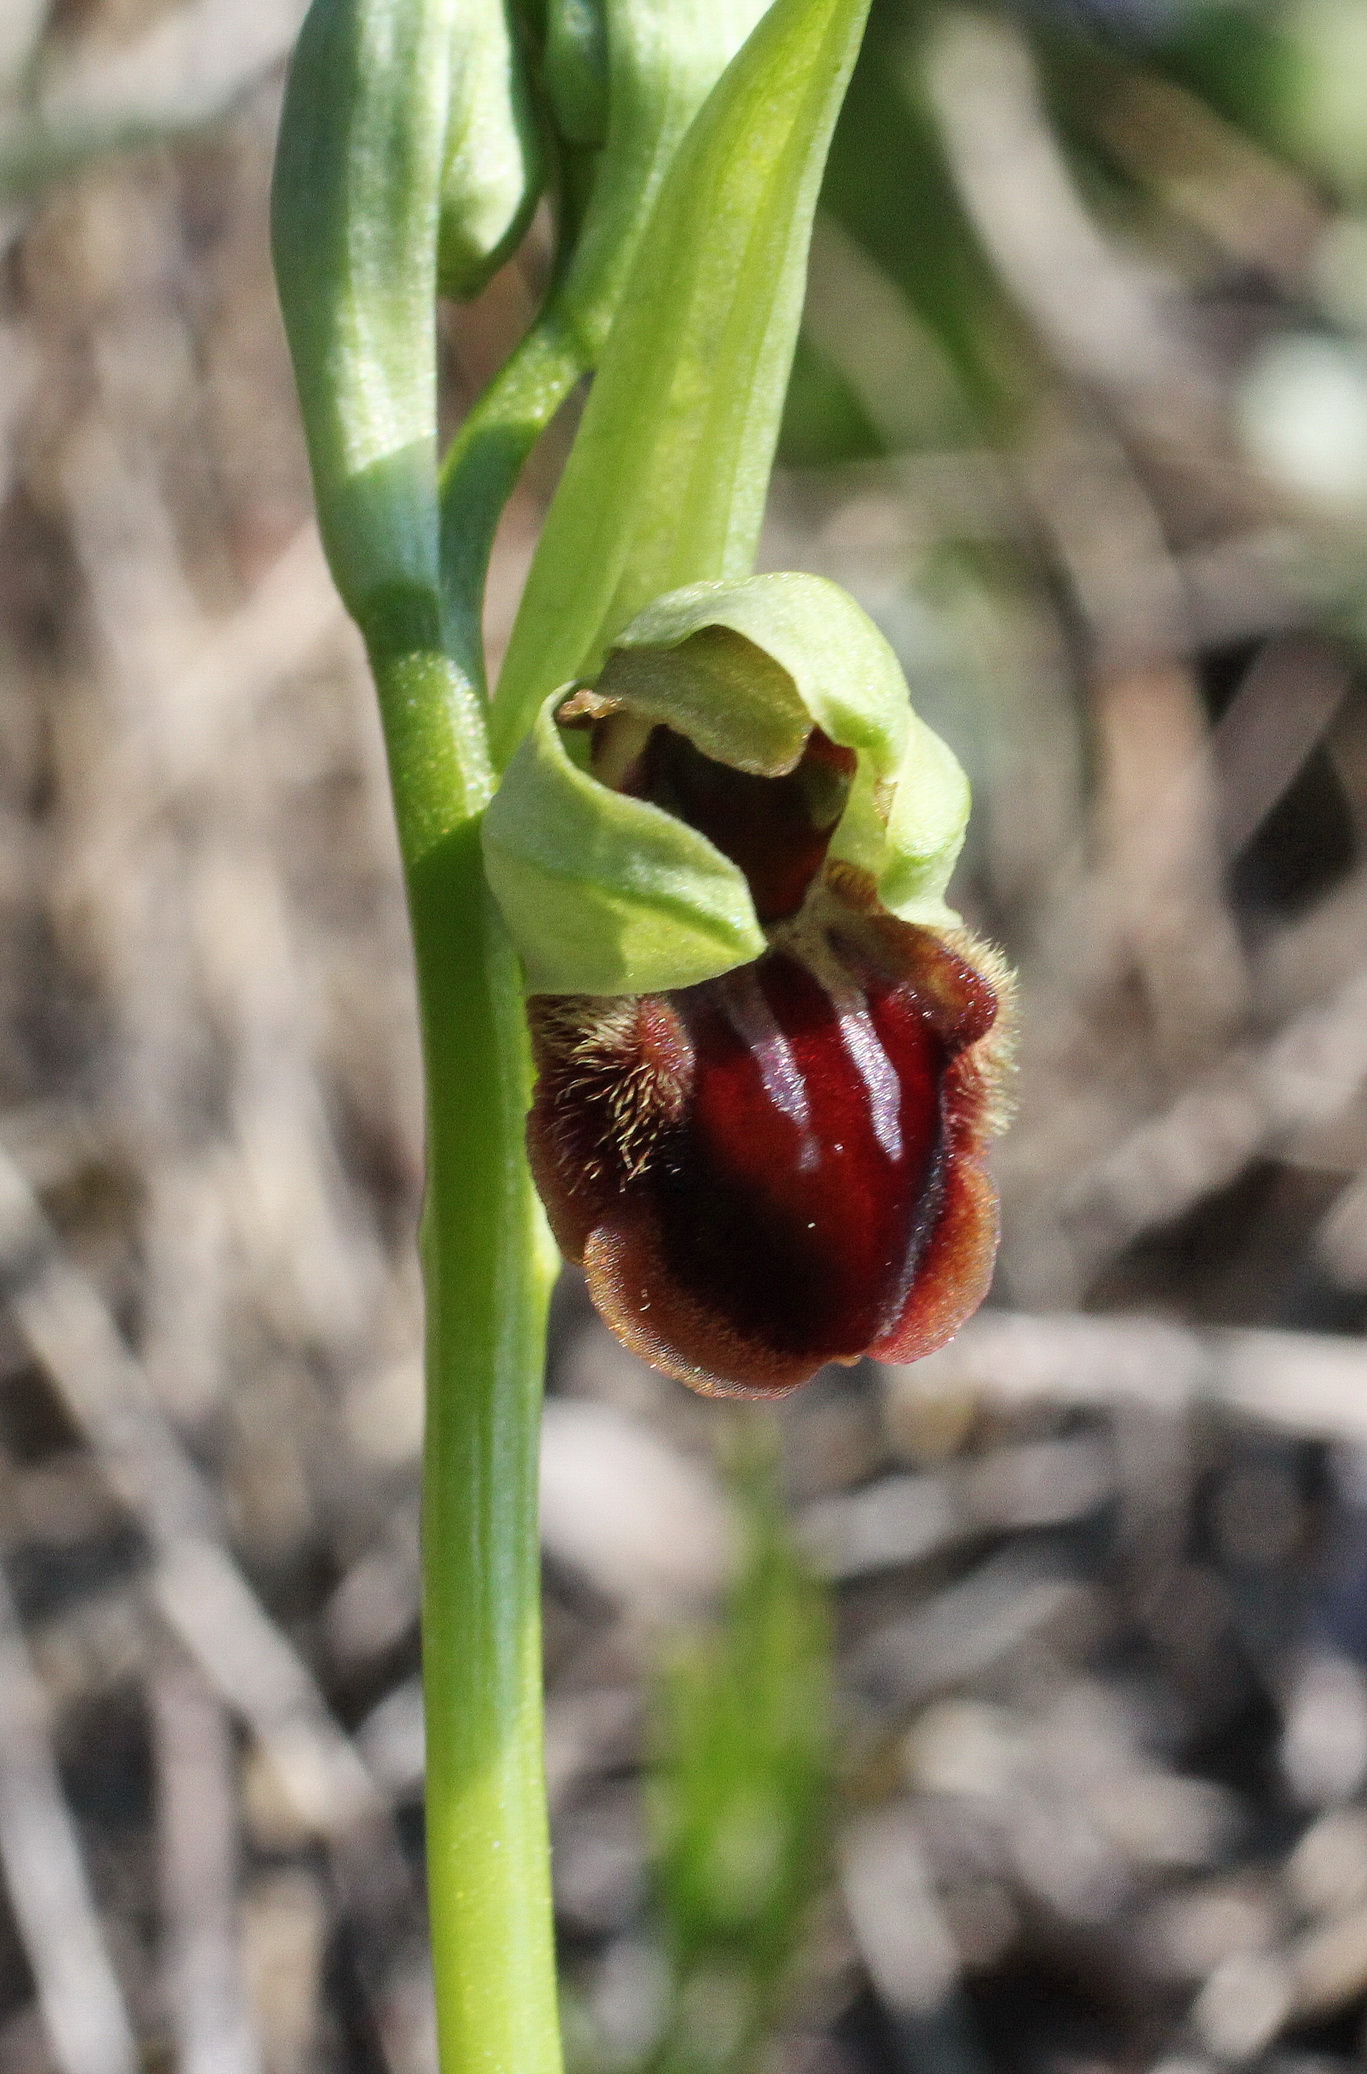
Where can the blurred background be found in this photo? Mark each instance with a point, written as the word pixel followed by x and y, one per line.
pixel 1008 1712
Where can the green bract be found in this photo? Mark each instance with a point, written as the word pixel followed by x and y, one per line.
pixel 666 480
pixel 492 176
pixel 623 81
pixel 608 894
pixel 626 78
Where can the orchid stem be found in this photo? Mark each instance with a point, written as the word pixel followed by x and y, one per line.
pixel 487 1271
pixel 483 464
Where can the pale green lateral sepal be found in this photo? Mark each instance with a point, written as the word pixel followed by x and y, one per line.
pixel 926 824
pixel 602 893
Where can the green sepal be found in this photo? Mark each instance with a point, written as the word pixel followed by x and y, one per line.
pixel 815 656
pixel 604 893
pixel 494 172
pixel 927 820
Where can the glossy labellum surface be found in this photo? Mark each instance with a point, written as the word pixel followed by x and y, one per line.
pixel 780 1166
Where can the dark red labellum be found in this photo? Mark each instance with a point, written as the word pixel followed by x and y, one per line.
pixel 780 1167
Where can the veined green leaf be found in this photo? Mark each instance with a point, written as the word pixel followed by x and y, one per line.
pixel 662 62
pixel 625 79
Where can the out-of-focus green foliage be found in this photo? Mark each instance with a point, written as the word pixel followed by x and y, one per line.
pixel 823 420
pixel 1293 74
pixel 739 1796
pixel 899 202
pixel 1290 75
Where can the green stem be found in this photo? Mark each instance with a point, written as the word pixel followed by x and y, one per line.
pixel 483 463
pixel 487 1282
pixel 487 1273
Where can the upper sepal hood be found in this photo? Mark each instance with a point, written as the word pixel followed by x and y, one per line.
pixel 621 854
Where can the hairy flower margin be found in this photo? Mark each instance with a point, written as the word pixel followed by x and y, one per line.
pixel 781 1161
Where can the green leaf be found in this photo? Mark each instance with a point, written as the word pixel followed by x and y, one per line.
pixel 661 63
pixel 666 482
pixel 626 76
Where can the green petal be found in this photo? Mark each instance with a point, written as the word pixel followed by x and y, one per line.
pixel 604 894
